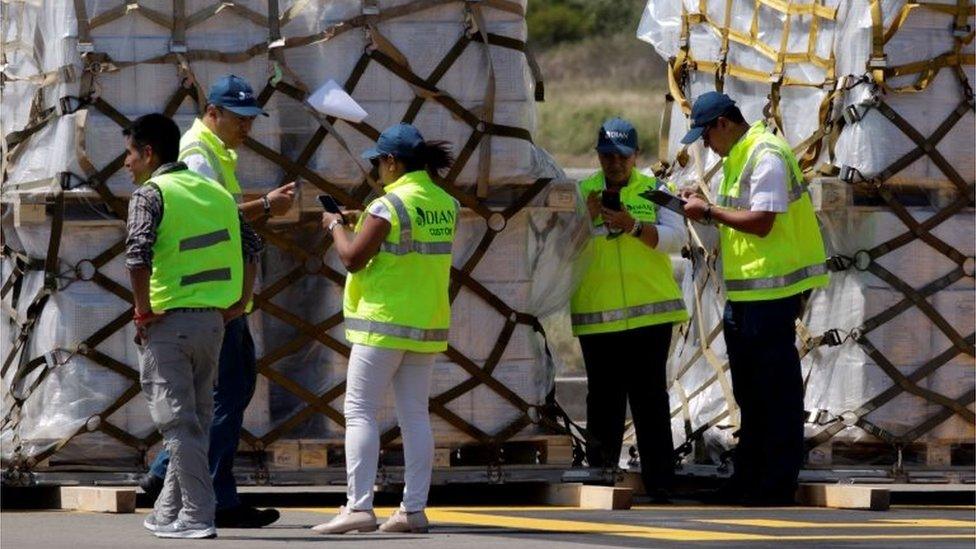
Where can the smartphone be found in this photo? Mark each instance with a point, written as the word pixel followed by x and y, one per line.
pixel 331 205
pixel 666 200
pixel 610 200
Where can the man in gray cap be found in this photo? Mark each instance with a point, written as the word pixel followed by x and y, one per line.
pixel 772 257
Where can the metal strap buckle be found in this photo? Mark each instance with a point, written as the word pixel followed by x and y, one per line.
pixel 878 62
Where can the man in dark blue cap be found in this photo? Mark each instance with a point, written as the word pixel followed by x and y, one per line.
pixel 210 148
pixel 624 306
pixel 772 257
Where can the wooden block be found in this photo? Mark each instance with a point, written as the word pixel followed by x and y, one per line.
pixel 442 457
pixel 566 494
pixel 285 455
pixel 634 482
pixel 938 455
pixel 844 496
pixel 26 213
pixel 605 497
pixel 829 194
pixel 99 499
pixel 314 454
pixel 559 454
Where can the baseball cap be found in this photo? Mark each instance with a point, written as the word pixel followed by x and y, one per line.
pixel 617 136
pixel 401 141
pixel 707 108
pixel 236 95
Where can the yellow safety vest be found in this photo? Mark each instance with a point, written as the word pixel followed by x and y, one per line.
pixel 197 257
pixel 791 258
pixel 200 140
pixel 625 284
pixel 400 299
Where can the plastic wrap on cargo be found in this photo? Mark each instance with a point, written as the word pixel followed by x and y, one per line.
pixel 73 79
pixel 878 366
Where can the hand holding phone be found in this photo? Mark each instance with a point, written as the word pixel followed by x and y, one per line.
pixel 610 200
pixel 331 205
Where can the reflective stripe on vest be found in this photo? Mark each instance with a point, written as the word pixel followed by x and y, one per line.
pixel 204 240
pixel 776 281
pixel 582 319
pixel 407 244
pixel 211 275
pixel 395 330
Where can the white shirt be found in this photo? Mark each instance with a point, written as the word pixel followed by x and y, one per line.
pixel 198 163
pixel 768 185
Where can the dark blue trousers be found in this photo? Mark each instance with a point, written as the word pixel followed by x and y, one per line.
pixel 236 378
pixel 768 388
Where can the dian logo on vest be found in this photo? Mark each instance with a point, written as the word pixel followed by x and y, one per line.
pixel 437 222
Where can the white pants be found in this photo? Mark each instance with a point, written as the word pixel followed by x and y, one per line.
pixel 371 369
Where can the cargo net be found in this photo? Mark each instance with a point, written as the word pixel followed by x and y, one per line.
pixel 869 113
pixel 300 246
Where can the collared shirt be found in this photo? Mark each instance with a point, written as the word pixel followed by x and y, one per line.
pixel 146 212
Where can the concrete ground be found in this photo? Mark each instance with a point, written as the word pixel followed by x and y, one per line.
pixel 511 527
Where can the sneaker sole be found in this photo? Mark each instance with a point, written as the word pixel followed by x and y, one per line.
pixel 363 530
pixel 209 533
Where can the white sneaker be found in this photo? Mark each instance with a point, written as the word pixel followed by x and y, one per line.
pixel 185 530
pixel 402 521
pixel 347 521
pixel 151 523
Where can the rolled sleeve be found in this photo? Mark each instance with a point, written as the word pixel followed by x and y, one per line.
pixel 251 242
pixel 769 184
pixel 145 213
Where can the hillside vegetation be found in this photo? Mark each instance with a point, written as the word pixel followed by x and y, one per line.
pixel 594 68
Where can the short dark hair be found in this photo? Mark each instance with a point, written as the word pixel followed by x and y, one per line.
pixel 734 115
pixel 159 132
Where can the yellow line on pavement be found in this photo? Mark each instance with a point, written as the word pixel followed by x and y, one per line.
pixel 472 517
pixel 879 523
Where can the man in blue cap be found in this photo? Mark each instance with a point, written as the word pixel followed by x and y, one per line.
pixel 772 257
pixel 210 148
pixel 624 306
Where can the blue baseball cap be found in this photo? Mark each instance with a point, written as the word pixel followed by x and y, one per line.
pixel 236 95
pixel 707 108
pixel 617 136
pixel 401 141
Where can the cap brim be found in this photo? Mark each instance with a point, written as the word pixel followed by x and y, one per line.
pixel 616 149
pixel 247 111
pixel 370 154
pixel 694 134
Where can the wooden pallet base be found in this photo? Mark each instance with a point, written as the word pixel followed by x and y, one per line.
pixel 588 497
pixel 929 454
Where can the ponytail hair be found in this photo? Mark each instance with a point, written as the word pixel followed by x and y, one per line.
pixel 432 156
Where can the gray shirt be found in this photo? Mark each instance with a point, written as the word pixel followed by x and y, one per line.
pixel 146 212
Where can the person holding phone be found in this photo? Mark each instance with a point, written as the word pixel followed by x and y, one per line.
pixel 397 313
pixel 624 307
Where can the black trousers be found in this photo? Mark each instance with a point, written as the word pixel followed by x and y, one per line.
pixel 630 365
pixel 768 387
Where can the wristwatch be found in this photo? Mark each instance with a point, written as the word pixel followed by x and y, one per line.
pixel 267 205
pixel 637 229
pixel 333 225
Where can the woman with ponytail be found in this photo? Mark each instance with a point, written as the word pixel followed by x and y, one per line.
pixel 397 313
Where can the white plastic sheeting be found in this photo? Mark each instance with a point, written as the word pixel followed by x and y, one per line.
pixel 839 379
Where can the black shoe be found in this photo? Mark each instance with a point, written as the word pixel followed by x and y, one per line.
pixel 729 494
pixel 151 485
pixel 245 517
pixel 660 496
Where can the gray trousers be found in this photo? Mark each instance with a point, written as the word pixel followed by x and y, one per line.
pixel 178 366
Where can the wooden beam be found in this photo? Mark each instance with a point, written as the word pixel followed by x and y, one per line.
pixel 844 496
pixel 99 499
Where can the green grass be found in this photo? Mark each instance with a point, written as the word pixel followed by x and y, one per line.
pixel 595 79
